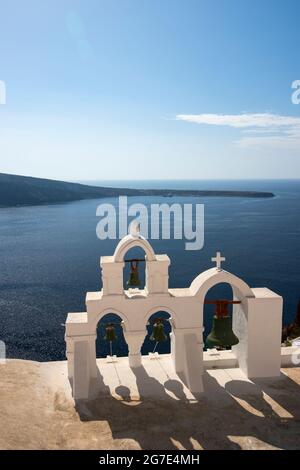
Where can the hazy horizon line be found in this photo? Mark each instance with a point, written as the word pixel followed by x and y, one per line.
pixel 75 180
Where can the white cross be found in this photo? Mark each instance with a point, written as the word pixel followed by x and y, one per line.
pixel 218 259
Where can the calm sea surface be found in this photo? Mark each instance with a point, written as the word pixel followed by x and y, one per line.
pixel 49 258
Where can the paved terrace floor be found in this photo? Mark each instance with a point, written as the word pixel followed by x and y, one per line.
pixel 149 408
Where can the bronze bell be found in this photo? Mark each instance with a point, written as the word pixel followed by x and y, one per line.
pixel 134 280
pixel 158 333
pixel 221 335
pixel 110 332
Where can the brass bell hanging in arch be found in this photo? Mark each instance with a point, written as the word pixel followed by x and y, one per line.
pixel 134 280
pixel 221 335
pixel 158 333
pixel 110 332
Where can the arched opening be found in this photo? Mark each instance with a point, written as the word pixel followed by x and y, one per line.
pixel 129 242
pixel 150 344
pixel 118 344
pixel 217 305
pixel 134 268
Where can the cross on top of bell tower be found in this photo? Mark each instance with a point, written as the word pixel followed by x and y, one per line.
pixel 218 259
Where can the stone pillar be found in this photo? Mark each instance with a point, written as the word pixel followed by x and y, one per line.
pixel 157 275
pixel 81 377
pixel 134 339
pixel 70 356
pixel 258 324
pixel 187 355
pixel 92 357
pixel 112 276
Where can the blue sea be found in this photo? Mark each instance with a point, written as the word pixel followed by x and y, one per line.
pixel 49 258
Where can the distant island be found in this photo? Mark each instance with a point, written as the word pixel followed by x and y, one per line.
pixel 25 190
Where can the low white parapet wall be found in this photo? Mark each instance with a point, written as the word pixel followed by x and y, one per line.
pixel 290 356
pixel 213 359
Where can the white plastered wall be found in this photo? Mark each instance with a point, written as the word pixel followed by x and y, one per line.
pixel 258 308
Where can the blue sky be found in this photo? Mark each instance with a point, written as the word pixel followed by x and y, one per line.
pixel 151 89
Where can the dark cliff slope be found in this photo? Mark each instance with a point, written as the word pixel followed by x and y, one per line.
pixel 24 190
